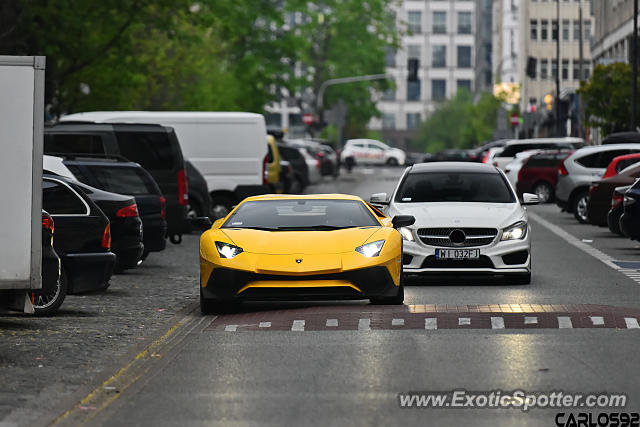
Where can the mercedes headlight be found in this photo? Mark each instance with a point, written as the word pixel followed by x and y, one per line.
pixel 371 249
pixel 515 232
pixel 227 250
pixel 406 233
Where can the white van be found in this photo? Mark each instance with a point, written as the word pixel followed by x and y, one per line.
pixel 228 148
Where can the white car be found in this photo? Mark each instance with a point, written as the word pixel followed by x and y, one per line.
pixel 468 221
pixel 516 146
pixel 371 152
pixel 512 168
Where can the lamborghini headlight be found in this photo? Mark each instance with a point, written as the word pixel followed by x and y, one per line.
pixel 371 249
pixel 516 231
pixel 406 233
pixel 227 250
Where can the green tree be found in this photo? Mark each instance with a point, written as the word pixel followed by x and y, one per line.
pixel 459 123
pixel 607 97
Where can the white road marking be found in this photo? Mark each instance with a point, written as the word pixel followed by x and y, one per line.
pixel 332 322
pixel 597 320
pixel 231 328
pixel 631 322
pixel 364 324
pixel 587 240
pixel 530 320
pixel 397 322
pixel 298 325
pixel 264 325
pixel 564 322
pixel 464 321
pixel 431 323
pixel 497 323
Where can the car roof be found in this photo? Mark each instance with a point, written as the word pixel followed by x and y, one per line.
pixel 452 167
pixel 543 141
pixel 598 148
pixel 74 124
pixel 144 116
pixel 357 140
pixel 304 197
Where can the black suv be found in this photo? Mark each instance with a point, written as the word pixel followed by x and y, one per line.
pixel 154 147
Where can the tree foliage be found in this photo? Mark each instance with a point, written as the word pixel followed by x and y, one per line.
pixel 607 97
pixel 459 123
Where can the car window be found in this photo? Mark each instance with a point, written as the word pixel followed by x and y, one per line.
pixel 454 187
pixel 358 145
pixel 607 156
pixel 269 154
pixel 512 150
pixel 73 143
pixel 301 213
pixel 376 147
pixel 589 161
pixel 150 149
pixel 624 163
pixel 58 199
pixel 121 180
pixel 543 161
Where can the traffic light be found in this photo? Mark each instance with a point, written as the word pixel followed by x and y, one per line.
pixel 531 67
pixel 412 66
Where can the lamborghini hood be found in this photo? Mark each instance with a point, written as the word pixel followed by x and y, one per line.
pixel 299 242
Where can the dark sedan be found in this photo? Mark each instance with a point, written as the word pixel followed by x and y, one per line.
pixel 82 235
pixel 630 219
pixel 600 193
pixel 617 208
pixel 299 166
pixel 48 299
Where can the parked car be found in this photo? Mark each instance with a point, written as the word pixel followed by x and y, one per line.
pixel 154 147
pixel 288 178
pixel 539 174
pixel 329 161
pixel 48 299
pixel 228 148
pixel 512 169
pixel 630 218
pixel 450 155
pixel 299 165
pixel 617 208
pixel 276 185
pixel 515 146
pixel 619 163
pixel 622 138
pixel 468 221
pixel 600 193
pixel 478 154
pixel 580 169
pixel 120 176
pixel 199 198
pixel 325 157
pixel 371 152
pixel 82 236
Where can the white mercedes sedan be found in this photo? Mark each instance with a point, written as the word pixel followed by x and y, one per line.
pixel 469 221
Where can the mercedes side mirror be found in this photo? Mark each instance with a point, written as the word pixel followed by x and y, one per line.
pixel 402 221
pixel 379 199
pixel 529 199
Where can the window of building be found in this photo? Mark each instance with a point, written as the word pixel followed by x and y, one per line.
pixel 438 89
pixel 464 84
pixel 534 29
pixel 464 22
pixel 464 56
pixel 413 51
pixel 544 30
pixel 587 31
pixel 390 57
pixel 565 69
pixel 586 69
pixel 576 30
pixel 554 30
pixel 576 69
pixel 415 21
pixel 389 94
pixel 413 120
pixel 554 68
pixel 439 56
pixel 388 121
pixel 544 69
pixel 566 29
pixel 439 22
pixel 413 91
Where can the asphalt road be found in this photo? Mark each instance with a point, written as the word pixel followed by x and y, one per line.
pixel 252 368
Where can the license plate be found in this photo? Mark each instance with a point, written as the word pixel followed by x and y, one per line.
pixel 457 253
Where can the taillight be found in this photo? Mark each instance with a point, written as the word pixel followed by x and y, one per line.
pixel 562 170
pixel 128 211
pixel 163 207
pixel 485 159
pixel 183 188
pixel 265 172
pixel 106 237
pixel 47 223
pixel 616 199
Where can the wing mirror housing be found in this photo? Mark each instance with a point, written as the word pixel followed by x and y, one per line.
pixel 403 221
pixel 379 199
pixel 529 199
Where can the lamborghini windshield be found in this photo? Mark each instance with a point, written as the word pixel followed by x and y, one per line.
pixel 301 214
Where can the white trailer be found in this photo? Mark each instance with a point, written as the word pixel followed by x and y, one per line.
pixel 21 129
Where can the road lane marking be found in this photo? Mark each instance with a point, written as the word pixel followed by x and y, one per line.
pixel 332 322
pixel 431 323
pixel 464 321
pixel 264 325
pixel 364 324
pixel 564 322
pixel 231 328
pixel 631 322
pixel 298 325
pixel 497 323
pixel 597 320
pixel 530 320
pixel 397 322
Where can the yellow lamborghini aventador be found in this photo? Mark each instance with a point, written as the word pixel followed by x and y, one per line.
pixel 314 247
